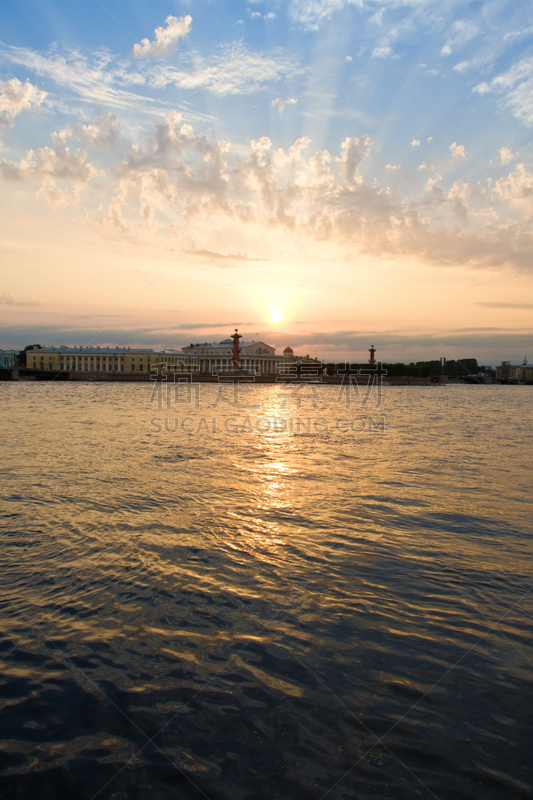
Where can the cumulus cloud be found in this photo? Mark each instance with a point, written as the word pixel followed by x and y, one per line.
pixel 506 155
pixel 446 50
pixel 65 161
pixel 165 38
pixel 433 181
pixel 517 189
pixel 393 166
pixel 354 149
pixel 291 101
pixel 178 176
pixel 461 66
pixel 15 97
pixel 457 150
pixel 103 132
pixel 415 143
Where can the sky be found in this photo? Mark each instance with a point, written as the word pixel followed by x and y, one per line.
pixel 324 174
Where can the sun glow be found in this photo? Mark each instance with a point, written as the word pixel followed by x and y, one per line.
pixel 276 316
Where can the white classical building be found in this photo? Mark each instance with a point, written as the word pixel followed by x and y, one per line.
pixel 256 358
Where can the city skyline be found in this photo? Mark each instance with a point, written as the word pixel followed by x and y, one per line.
pixel 324 176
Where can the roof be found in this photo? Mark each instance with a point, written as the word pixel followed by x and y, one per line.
pixel 93 351
pixel 226 343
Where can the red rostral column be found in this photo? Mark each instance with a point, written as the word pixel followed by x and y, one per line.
pixel 372 352
pixel 236 349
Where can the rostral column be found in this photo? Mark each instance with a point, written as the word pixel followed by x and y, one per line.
pixel 236 349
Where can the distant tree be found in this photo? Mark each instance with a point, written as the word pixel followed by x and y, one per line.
pixel 22 354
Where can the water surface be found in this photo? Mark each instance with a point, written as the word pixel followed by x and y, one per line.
pixel 289 611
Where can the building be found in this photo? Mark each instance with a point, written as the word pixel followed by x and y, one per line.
pixel 215 358
pixel 512 372
pixel 108 359
pixel 7 359
pixel 256 358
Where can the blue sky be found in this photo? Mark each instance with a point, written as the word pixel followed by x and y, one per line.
pixel 365 168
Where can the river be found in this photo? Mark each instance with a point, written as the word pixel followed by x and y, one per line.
pixel 288 593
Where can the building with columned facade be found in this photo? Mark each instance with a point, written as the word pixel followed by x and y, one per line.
pixel 256 358
pixel 108 359
pixel 208 358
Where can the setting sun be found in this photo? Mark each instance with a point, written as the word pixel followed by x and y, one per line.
pixel 276 316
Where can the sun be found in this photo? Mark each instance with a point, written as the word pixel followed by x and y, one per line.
pixel 276 316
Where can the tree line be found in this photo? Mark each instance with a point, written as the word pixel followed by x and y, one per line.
pixel 421 369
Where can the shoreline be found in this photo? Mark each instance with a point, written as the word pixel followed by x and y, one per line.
pixel 30 375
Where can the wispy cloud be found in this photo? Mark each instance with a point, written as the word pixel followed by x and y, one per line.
pixel 9 299
pixel 214 255
pixel 526 306
pixel 516 87
pixel 234 69
pixel 103 78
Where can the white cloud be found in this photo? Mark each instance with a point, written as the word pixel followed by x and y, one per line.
pixel 165 38
pixel 377 18
pixel 255 15
pixel 9 299
pixel 15 97
pixel 348 58
pixel 517 189
pixel 381 52
pixel 270 15
pixel 354 149
pixel 280 104
pixel 462 32
pixel 516 86
pixel 291 101
pixel 518 34
pixel 235 69
pixel 430 138
pixel 433 181
pixel 461 66
pixel 104 80
pixel 415 143
pixel 176 175
pixel 311 13
pixel 423 165
pixel 103 132
pixel 457 150
pixel 506 155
